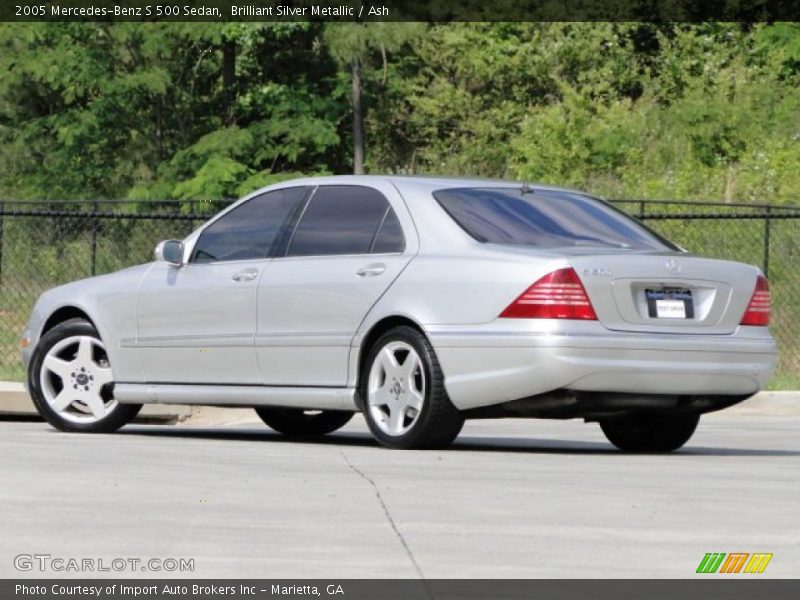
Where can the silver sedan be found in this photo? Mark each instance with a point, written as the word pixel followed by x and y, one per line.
pixel 420 302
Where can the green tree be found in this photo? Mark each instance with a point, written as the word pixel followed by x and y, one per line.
pixel 355 45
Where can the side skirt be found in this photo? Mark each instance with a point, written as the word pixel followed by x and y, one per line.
pixel 312 398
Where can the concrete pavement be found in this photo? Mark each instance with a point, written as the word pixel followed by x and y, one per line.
pixel 515 498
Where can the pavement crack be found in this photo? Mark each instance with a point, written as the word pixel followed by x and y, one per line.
pixel 386 512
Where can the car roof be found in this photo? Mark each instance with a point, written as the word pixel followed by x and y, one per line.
pixel 422 183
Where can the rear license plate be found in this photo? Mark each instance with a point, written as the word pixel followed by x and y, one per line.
pixel 669 303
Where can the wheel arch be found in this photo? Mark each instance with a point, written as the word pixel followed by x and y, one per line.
pixel 65 313
pixel 372 335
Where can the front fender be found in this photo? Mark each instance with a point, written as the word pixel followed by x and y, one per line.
pixel 109 301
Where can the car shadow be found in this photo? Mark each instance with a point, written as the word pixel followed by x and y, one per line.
pixel 465 443
pixel 21 418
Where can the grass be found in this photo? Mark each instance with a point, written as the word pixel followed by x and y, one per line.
pixel 12 372
pixel 785 381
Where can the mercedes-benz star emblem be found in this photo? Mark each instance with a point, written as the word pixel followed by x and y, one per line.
pixel 673 266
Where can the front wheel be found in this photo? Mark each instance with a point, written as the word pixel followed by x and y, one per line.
pixel 405 402
pixel 71 381
pixel 649 432
pixel 299 422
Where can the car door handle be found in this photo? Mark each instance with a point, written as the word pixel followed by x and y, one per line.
pixel 246 275
pixel 371 270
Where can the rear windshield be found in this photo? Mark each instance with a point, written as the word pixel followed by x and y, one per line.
pixel 545 218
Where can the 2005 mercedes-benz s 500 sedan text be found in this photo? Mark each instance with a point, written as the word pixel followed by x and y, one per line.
pixel 420 302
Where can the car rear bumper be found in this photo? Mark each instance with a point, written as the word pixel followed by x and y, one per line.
pixel 489 364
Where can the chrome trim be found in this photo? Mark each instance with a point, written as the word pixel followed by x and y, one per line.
pixel 190 341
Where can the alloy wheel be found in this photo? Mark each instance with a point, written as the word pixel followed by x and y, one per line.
pixel 74 379
pixel 396 388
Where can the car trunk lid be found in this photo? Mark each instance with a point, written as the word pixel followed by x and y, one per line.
pixel 664 292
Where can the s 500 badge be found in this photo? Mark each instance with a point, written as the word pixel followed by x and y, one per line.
pixel 598 272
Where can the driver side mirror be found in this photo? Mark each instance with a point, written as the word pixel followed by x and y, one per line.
pixel 170 252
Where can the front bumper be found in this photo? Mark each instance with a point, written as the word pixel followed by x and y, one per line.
pixel 486 365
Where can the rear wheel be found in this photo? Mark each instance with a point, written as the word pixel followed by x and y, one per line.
pixel 71 381
pixel 650 432
pixel 300 422
pixel 405 403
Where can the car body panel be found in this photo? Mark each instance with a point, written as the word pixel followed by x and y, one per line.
pixel 309 309
pixel 110 302
pixel 540 356
pixel 313 398
pixel 195 324
pixel 616 285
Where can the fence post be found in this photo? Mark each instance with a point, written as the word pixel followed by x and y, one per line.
pixel 641 210
pixel 94 239
pixel 767 222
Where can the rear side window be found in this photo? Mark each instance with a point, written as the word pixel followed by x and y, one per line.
pixel 250 229
pixel 389 237
pixel 545 219
pixel 345 219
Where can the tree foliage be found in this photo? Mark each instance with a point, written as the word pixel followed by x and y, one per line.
pixel 204 111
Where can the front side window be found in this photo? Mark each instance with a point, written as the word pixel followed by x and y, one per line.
pixel 249 230
pixel 545 219
pixel 345 219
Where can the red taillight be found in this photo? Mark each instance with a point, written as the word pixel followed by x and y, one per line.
pixel 758 310
pixel 557 295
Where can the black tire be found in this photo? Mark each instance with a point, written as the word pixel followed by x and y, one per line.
pixel 650 432
pixel 438 423
pixel 298 422
pixel 118 416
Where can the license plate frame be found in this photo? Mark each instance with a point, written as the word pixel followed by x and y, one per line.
pixel 669 303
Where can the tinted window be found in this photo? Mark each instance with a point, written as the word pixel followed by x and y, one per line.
pixel 544 218
pixel 341 219
pixel 249 230
pixel 390 235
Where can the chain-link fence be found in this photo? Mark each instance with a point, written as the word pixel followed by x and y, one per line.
pixel 43 244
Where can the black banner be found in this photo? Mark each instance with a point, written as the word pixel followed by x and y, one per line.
pixel 400 10
pixel 704 587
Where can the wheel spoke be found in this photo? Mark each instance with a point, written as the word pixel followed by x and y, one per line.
pixel 397 416
pixel 60 367
pixel 415 399
pixel 95 404
pixel 63 400
pixel 410 367
pixel 84 356
pixel 388 362
pixel 102 376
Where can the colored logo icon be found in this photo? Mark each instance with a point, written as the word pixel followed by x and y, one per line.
pixel 735 562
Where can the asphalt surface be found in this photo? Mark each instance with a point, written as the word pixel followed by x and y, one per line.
pixel 509 499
